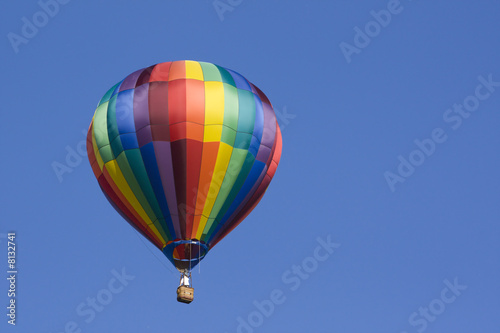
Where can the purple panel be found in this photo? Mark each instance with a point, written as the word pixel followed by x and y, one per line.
pixel 269 132
pixel 165 166
pixel 263 154
pixel 144 136
pixel 254 89
pixel 262 96
pixel 130 81
pixel 141 106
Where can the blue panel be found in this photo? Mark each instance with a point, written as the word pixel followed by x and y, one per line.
pixel 149 158
pixel 254 146
pixel 241 82
pixel 129 141
pixel 124 111
pixel 252 177
pixel 242 176
pixel 258 127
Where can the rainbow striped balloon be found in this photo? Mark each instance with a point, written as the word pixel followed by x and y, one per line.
pixel 184 151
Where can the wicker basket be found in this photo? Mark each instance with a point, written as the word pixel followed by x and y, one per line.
pixel 185 294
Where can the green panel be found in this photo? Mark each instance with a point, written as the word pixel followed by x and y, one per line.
pixel 243 140
pixel 209 224
pixel 212 228
pixel 116 146
pixel 242 176
pixel 106 154
pixel 228 135
pixel 233 170
pixel 246 116
pixel 111 119
pixel 123 164
pixel 107 95
pixel 226 77
pixel 100 126
pixel 161 229
pixel 210 72
pixel 230 106
pixel 140 175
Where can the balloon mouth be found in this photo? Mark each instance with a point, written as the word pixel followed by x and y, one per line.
pixel 185 254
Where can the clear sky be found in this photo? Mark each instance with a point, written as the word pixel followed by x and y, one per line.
pixel 390 114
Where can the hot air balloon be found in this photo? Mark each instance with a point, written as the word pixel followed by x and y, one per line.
pixel 184 151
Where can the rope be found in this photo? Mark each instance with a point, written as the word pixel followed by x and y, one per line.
pixel 190 248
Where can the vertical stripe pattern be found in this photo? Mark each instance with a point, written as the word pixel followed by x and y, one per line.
pixel 184 151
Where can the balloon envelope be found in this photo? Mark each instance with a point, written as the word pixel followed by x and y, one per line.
pixel 184 151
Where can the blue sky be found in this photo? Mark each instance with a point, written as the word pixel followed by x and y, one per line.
pixel 390 114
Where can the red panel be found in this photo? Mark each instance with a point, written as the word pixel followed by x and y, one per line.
pixel 96 169
pixel 144 77
pixel 272 169
pixel 160 72
pixel 125 212
pixel 179 165
pixel 158 103
pixel 160 132
pixel 193 151
pixel 122 198
pixel 279 145
pixel 178 131
pixel 90 148
pixel 177 101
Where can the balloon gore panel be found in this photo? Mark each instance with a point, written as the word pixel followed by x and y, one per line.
pixel 184 151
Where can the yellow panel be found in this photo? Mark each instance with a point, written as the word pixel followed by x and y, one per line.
pixel 193 70
pixel 223 157
pixel 212 133
pixel 201 226
pixel 117 176
pixel 214 103
pixel 157 233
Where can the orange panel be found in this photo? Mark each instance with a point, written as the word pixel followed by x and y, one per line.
pixel 195 104
pixel 194 131
pixel 177 70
